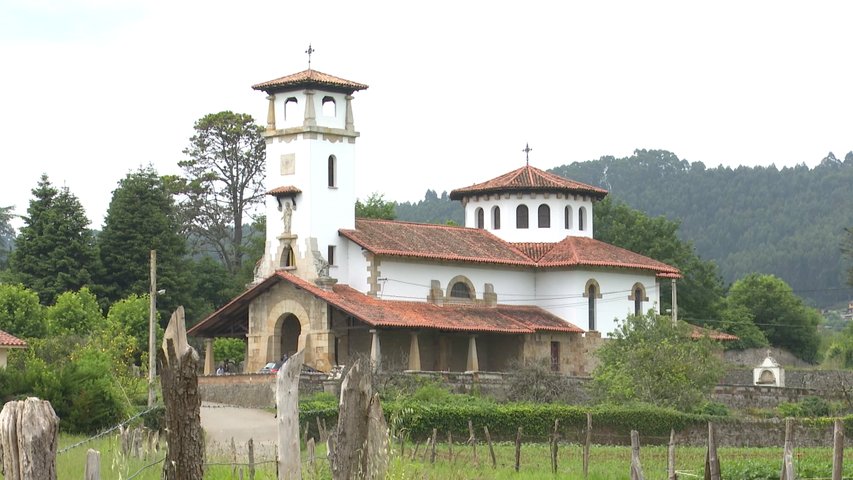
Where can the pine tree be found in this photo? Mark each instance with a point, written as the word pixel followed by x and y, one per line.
pixel 55 251
pixel 142 217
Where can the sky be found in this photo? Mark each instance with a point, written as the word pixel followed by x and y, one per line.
pixel 91 90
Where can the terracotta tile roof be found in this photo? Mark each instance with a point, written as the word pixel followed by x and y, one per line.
pixel 308 79
pixel 445 243
pixel 698 332
pixel 7 340
pixel 589 252
pixel 400 314
pixel 534 250
pixel 528 179
pixel 285 191
pixel 433 242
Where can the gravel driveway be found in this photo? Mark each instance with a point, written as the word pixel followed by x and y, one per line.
pixel 221 423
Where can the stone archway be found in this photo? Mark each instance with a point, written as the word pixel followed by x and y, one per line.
pixel 767 378
pixel 289 333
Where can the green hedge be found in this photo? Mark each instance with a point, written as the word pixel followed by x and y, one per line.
pixel 503 420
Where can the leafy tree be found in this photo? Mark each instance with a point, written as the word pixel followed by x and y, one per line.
pixel 651 360
pixel 142 217
pixel 739 321
pixel 375 207
pixel 782 317
pixel 21 314
pixel 212 286
pixel 432 209
pixel 55 251
pixel 224 180
pixel 75 313
pixel 229 350
pixel 700 292
pixel 130 315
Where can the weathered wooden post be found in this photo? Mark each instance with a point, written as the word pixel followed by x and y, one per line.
pixel 837 449
pixel 518 450
pixel 93 465
pixel 491 448
pixel 360 438
pixel 473 441
pixel 636 468
pixel 587 444
pixel 179 364
pixel 788 453
pixel 251 447
pixel 287 416
pixel 554 446
pixel 28 438
pixel 670 457
pixel 712 461
pixel 449 447
pixel 434 439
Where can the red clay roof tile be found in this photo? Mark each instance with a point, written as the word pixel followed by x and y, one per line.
pixel 7 340
pixel 308 79
pixel 528 179
pixel 445 243
pixel 284 191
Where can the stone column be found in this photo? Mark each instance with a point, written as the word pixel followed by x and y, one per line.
pixel 271 114
pixel 375 354
pixel 473 361
pixel 310 116
pixel 350 126
pixel 443 354
pixel 674 304
pixel 209 368
pixel 414 353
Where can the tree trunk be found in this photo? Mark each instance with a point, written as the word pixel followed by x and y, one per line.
pixel 178 366
pixel 348 459
pixel 28 439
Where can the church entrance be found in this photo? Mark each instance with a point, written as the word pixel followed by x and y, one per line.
pixel 290 331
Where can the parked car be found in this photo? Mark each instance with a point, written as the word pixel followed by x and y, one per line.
pixel 271 367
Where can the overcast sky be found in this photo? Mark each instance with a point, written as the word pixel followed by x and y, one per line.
pixel 93 89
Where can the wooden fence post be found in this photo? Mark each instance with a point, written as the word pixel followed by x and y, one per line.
pixel 311 451
pixel 378 442
pixel 28 438
pixel 788 452
pixel 554 447
pixel 434 439
pixel 587 444
pixel 712 461
pixel 491 449
pixel 251 447
pixel 670 457
pixel 93 465
pixel 837 449
pixel 449 447
pixel 636 468
pixel 518 450
pixel 287 417
pixel 473 441
pixel 179 364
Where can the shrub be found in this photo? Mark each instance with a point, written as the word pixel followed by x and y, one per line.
pixel 716 409
pixel 536 382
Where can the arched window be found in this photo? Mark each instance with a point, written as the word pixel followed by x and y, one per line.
pixel 638 295
pixel 593 292
pixel 496 218
pixel 521 216
pixel 333 173
pixel 581 218
pixel 329 107
pixel 460 288
pixel 544 216
pixel 568 218
pixel 481 221
pixel 290 108
pixel 288 260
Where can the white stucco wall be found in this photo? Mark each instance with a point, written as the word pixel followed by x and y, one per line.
pixel 508 203
pixel 355 275
pixel 561 293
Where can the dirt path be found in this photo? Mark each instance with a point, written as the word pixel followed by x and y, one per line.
pixel 221 423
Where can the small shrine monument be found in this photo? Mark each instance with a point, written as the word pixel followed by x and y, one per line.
pixel 769 373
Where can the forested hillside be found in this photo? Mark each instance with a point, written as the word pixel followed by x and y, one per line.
pixel 787 222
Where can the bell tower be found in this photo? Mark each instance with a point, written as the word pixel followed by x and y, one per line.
pixel 310 170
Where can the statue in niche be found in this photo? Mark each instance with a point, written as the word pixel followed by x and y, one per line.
pixel 321 264
pixel 286 215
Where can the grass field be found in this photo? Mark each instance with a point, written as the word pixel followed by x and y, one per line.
pixel 607 463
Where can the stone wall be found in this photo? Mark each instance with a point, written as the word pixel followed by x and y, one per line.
pixel 830 382
pixel 251 390
pixel 754 356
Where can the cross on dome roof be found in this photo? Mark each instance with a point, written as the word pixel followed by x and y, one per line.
pixel 528 179
pixel 309 79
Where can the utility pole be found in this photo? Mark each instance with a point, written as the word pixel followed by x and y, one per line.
pixel 152 330
pixel 674 304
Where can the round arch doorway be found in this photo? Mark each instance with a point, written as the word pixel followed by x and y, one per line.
pixel 289 338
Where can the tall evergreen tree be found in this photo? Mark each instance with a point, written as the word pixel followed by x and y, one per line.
pixel 142 217
pixel 7 235
pixel 55 251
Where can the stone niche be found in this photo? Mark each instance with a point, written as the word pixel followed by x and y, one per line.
pixel 769 373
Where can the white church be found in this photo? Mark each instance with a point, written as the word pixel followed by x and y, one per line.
pixel 523 281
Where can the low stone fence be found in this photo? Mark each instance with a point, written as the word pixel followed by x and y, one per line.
pixel 253 390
